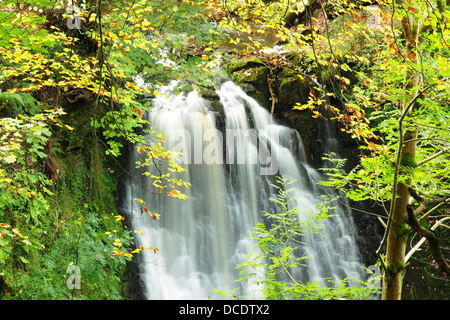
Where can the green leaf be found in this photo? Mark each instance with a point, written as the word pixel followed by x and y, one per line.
pixel 23 259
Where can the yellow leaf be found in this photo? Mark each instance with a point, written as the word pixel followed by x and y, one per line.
pixel 117 243
pixel 119 217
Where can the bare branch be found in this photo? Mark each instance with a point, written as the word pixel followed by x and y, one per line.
pixel 440 204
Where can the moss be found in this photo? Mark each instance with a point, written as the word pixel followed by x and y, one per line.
pixel 400 266
pixel 251 75
pixel 255 75
pixel 390 269
pixel 293 87
pixel 210 94
pixel 395 269
pixel 245 64
pixel 408 161
pixel 216 106
pixel 403 230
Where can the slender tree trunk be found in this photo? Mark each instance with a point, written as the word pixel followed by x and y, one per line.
pixel 396 235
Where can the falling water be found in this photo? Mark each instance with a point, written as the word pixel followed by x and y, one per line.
pixel 231 160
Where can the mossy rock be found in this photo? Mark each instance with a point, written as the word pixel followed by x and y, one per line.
pixel 251 75
pixel 215 105
pixel 210 94
pixel 254 75
pixel 293 87
pixel 246 63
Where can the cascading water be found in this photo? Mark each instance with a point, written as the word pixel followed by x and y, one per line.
pixel 231 165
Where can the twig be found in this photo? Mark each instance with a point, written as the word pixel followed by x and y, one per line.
pixel 433 156
pixel 272 95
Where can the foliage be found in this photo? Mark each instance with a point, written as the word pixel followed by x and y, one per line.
pixel 102 63
pixel 40 236
pixel 102 60
pixel 56 197
pixel 374 177
pixel 271 266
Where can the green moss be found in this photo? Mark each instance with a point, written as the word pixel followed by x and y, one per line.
pixel 403 230
pixel 408 161
pixel 399 266
pixel 254 75
pixel 395 269
pixel 251 75
pixel 293 87
pixel 244 64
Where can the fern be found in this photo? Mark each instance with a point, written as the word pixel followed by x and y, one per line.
pixel 18 102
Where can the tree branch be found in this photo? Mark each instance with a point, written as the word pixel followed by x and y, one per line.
pixel 423 204
pixel 440 204
pixel 433 240
pixel 434 156
pixel 419 244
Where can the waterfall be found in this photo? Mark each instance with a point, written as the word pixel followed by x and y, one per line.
pixel 231 159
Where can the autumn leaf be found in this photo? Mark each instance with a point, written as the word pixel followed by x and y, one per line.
pixel 139 200
pixel 119 217
pixel 160 137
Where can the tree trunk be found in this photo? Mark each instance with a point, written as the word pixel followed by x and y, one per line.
pixel 397 235
pixel 397 238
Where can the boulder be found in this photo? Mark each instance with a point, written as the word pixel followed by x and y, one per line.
pixel 251 75
pixel 293 87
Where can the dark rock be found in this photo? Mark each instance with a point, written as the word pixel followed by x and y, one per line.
pixel 251 74
pixel 293 88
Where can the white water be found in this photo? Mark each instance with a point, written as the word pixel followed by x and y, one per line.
pixel 203 238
